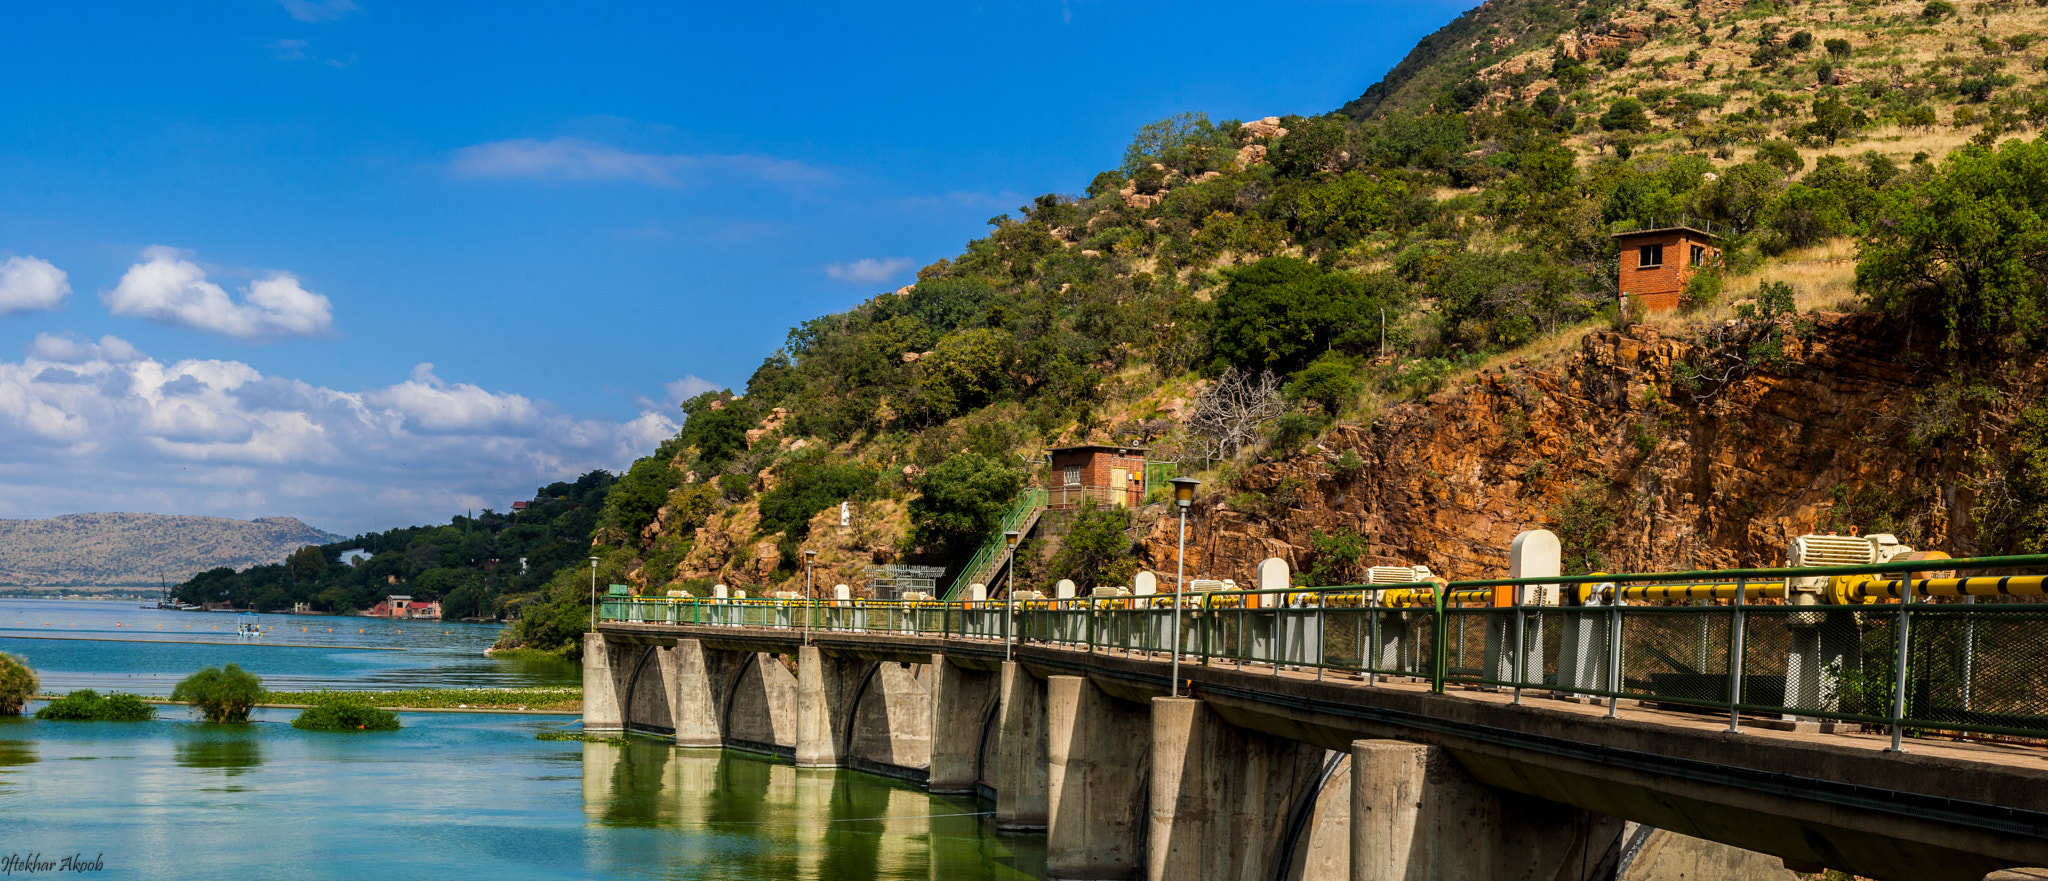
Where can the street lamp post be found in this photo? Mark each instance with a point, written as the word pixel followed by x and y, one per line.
pixel 593 594
pixel 1010 596
pixel 1183 495
pixel 810 613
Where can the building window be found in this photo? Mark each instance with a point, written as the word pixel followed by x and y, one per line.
pixel 1652 255
pixel 1073 475
pixel 1699 255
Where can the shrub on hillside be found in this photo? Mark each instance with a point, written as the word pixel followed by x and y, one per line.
pixel 221 694
pixel 17 684
pixel 87 705
pixel 959 504
pixel 1963 249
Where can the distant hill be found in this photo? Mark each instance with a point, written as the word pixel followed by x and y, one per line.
pixel 113 550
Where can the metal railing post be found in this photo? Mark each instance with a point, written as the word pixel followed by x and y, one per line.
pixel 1521 648
pixel 1441 640
pixel 1614 679
pixel 1735 658
pixel 1905 634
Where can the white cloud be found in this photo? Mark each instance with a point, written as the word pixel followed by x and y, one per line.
pixel 432 406
pixel 575 159
pixel 169 289
pixel 688 387
pixel 289 50
pixel 868 270
pixel 103 427
pixel 68 349
pixel 318 10
pixel 28 283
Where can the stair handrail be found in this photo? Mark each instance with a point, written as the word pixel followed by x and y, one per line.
pixel 1030 500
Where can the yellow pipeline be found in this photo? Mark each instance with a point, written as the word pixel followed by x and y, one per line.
pixel 1859 588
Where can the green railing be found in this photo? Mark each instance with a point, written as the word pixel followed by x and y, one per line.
pixel 1032 498
pixel 1916 665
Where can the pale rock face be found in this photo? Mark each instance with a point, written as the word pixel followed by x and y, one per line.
pixel 1265 128
pixel 1251 154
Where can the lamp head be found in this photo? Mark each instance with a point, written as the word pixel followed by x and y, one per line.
pixel 810 555
pixel 1184 490
pixel 1011 537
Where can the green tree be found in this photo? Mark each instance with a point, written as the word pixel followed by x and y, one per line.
pixel 18 683
pixel 1097 549
pixel 1966 247
pixel 1330 381
pixel 1625 114
pixel 306 563
pixel 1351 206
pixel 807 485
pixel 966 371
pixel 1782 155
pixel 959 504
pixel 221 694
pixel 1281 312
pixel 1308 146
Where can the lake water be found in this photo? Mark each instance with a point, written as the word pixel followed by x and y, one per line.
pixel 449 795
pixel 119 647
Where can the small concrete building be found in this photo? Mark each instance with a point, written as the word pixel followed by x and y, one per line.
pixel 1108 474
pixel 1656 264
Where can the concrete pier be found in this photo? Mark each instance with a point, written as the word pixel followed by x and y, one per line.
pixel 695 699
pixel 961 700
pixel 1417 816
pixel 1098 758
pixel 1022 795
pixel 601 709
pixel 1220 794
pixel 820 689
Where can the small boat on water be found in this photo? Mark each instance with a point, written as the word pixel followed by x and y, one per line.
pixel 246 624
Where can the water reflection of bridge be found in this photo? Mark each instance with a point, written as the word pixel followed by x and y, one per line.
pixel 717 812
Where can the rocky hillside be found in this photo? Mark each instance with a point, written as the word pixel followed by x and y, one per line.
pixel 1639 463
pixel 121 550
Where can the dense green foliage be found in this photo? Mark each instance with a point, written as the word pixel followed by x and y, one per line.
pixel 959 504
pixel 221 694
pixel 1097 548
pixel 345 715
pixel 87 705
pixel 468 565
pixel 18 683
pixel 1967 247
pixel 1282 312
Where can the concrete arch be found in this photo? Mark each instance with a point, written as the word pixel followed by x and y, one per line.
pixel 759 711
pixel 647 703
pixel 887 728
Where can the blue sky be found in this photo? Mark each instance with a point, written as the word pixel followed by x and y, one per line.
pixel 372 263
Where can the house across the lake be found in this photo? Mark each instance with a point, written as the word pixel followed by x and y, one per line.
pixel 399 606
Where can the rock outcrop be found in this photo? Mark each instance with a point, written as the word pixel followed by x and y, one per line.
pixel 1609 447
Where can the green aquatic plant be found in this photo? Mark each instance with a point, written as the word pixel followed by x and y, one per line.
pixel 87 705
pixel 345 716
pixel 221 694
pixel 17 684
pixel 577 735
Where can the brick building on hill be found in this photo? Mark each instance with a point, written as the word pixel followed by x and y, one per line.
pixel 1656 264
pixel 1106 474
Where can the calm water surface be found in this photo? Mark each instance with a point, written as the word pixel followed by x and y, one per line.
pixel 449 795
pixel 465 795
pixel 117 646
